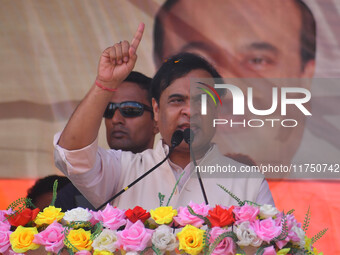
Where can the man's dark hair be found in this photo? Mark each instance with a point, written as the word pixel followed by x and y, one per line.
pixel 141 80
pixel 307 33
pixel 45 185
pixel 176 67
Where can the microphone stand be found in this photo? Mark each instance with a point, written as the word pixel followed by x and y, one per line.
pixel 198 174
pixel 177 138
pixel 189 138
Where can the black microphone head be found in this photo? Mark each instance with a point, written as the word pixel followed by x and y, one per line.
pixel 188 135
pixel 177 138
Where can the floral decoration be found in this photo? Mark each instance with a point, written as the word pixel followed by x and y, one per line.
pixel 247 228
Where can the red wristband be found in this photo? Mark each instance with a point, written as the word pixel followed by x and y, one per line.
pixel 103 87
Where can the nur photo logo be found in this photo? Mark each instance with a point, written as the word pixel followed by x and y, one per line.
pixel 280 98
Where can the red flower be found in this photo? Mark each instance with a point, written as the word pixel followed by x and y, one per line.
pixel 220 217
pixel 22 218
pixel 137 213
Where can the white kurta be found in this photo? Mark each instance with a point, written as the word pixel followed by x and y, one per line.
pixel 99 174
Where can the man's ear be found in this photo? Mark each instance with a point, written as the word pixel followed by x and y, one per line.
pixel 155 127
pixel 155 109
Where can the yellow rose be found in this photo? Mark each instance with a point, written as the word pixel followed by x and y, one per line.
pixel 163 214
pixel 49 215
pixel 308 243
pixel 191 239
pixel 80 239
pixel 283 251
pixel 22 239
pixel 316 252
pixel 97 252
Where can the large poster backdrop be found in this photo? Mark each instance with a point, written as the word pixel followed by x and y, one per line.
pixel 49 52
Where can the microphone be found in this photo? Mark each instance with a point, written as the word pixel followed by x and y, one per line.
pixel 176 139
pixel 189 136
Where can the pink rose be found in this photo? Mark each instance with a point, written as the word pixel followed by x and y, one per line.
pixel 266 229
pixel 246 213
pixel 52 237
pixel 3 214
pixel 184 217
pixel 83 252
pixel 135 237
pixel 226 246
pixel 269 251
pixel 4 232
pixel 4 237
pixel 5 226
pixel 112 217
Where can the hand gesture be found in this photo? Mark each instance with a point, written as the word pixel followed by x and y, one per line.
pixel 118 61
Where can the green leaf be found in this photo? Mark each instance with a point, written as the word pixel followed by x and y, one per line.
pixel 70 251
pixel 240 203
pixel 251 203
pixel 291 211
pixel 174 189
pixel 284 230
pixel 306 220
pixel 161 198
pixel 19 205
pixel 97 229
pixel 260 251
pixel 206 241
pixel 156 250
pixel 55 187
pixel 78 224
pixel 319 235
pixel 69 245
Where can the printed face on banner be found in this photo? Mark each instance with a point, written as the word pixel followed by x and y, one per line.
pixel 241 39
pixel 245 39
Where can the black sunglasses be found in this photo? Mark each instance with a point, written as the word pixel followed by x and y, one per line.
pixel 128 109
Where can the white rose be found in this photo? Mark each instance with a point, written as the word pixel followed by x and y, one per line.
pixel 77 214
pixel 268 211
pixel 164 239
pixel 105 241
pixel 131 253
pixel 246 235
pixel 301 234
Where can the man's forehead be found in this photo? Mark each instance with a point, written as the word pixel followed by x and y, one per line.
pixel 200 15
pixel 234 8
pixel 179 86
pixel 190 85
pixel 243 26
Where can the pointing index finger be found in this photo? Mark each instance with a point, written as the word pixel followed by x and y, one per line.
pixel 137 38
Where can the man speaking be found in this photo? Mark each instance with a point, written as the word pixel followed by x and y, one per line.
pixel 100 174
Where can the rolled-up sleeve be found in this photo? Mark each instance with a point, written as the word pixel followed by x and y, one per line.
pixel 93 170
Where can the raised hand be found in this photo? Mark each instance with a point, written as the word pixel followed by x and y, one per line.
pixel 118 61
